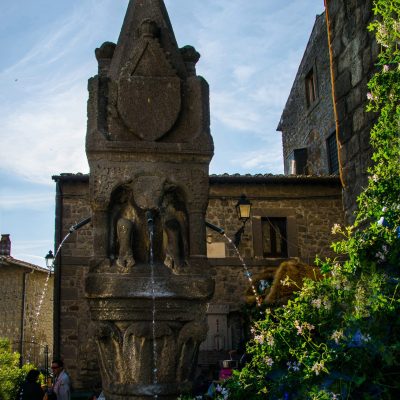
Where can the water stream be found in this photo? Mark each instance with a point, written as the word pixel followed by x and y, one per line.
pixel 71 230
pixel 150 225
pixel 42 296
pixel 247 273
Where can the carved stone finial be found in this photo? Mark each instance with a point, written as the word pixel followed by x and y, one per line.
pixel 148 28
pixel 104 54
pixel 190 57
pixel 105 51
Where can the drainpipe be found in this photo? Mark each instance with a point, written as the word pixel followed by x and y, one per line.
pixel 57 271
pixel 328 28
pixel 23 313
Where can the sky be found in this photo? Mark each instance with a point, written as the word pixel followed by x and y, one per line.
pixel 250 52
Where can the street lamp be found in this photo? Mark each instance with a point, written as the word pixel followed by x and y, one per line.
pixel 243 210
pixel 49 259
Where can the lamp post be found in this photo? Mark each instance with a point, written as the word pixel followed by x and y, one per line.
pixel 243 210
pixel 49 259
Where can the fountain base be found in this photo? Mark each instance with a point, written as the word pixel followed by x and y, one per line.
pixel 121 308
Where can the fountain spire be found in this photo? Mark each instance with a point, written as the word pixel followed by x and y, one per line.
pixel 149 147
pixel 137 12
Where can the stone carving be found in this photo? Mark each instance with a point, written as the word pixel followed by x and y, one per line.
pixel 125 258
pixel 125 350
pixel 122 219
pixel 149 90
pixel 174 222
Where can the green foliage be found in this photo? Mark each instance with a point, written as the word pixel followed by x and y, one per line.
pixel 340 337
pixel 11 375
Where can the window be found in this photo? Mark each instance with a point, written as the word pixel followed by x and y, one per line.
pixel 311 92
pixel 298 162
pixel 274 237
pixel 333 161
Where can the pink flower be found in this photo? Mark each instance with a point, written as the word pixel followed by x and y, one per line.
pixel 385 68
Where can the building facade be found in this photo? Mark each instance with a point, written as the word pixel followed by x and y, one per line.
pixel 307 122
pixel 23 286
pixel 325 129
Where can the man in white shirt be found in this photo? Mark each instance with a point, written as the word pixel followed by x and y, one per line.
pixel 62 382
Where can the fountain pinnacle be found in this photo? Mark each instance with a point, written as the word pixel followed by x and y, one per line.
pixel 149 147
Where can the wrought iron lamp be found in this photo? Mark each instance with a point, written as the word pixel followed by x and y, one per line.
pixel 243 209
pixel 49 259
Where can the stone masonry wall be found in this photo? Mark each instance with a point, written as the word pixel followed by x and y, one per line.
pixel 354 54
pixel 306 126
pixel 76 347
pixel 312 210
pixel 11 303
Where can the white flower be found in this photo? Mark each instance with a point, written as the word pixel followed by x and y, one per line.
pixel 269 361
pixel 336 336
pixel 318 367
pixel 336 229
pixel 316 303
pixel 259 339
pixel 270 340
pixel 385 68
pixel 366 338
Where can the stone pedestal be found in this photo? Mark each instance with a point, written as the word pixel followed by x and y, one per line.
pixel 121 308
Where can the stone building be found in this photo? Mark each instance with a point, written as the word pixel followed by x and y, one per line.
pixel 22 286
pixel 302 209
pixel 307 122
pixel 325 129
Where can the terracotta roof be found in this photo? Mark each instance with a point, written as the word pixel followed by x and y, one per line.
pixel 233 178
pixel 11 261
pixel 271 178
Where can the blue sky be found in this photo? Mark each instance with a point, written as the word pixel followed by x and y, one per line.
pixel 250 51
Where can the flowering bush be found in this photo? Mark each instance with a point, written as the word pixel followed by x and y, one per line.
pixel 339 337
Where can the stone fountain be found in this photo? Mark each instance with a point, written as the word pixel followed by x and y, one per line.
pixel 149 148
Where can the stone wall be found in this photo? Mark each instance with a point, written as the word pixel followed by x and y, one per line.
pixel 72 321
pixel 12 277
pixel 310 207
pixel 309 125
pixel 354 51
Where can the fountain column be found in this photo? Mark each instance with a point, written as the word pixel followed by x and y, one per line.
pixel 149 147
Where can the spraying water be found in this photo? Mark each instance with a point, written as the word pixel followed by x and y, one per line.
pixel 246 270
pixel 45 286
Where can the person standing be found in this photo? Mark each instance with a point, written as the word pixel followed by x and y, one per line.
pixel 31 389
pixel 62 385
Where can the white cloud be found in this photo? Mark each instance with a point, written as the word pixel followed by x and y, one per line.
pixel 46 137
pixel 27 201
pixel 267 160
pixel 244 72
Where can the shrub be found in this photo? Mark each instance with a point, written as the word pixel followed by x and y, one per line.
pixel 11 375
